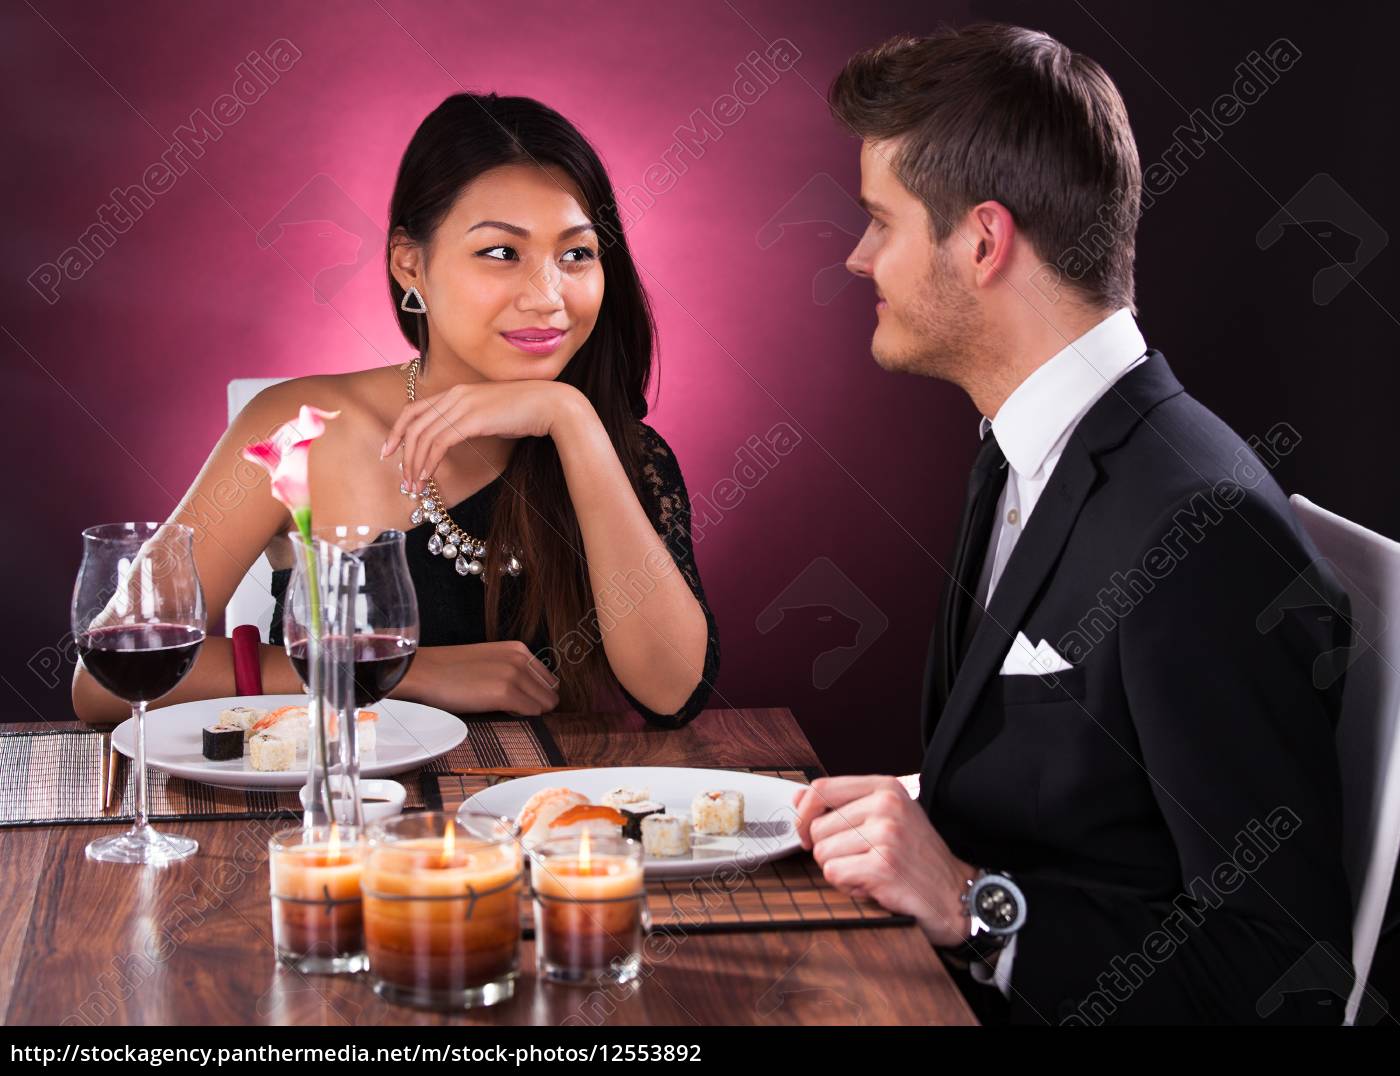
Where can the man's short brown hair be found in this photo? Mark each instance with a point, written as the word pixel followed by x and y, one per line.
pixel 1001 113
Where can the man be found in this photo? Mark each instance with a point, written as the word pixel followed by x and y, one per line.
pixel 1129 805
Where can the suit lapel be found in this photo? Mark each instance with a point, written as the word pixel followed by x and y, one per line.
pixel 1030 564
pixel 1076 475
pixel 984 489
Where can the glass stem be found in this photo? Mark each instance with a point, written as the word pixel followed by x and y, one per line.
pixel 138 711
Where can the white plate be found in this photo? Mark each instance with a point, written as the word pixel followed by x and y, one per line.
pixel 409 734
pixel 769 832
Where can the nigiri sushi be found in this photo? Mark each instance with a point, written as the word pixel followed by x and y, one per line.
pixel 586 817
pixel 543 808
pixel 366 721
pixel 285 723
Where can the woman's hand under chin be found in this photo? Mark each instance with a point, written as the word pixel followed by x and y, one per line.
pixel 479 677
pixel 429 427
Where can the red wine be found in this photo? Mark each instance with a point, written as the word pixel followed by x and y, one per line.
pixel 140 662
pixel 380 663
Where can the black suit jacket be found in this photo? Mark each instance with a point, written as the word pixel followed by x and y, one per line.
pixel 1171 805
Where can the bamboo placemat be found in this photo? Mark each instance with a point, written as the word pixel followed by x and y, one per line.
pixel 55 777
pixel 783 894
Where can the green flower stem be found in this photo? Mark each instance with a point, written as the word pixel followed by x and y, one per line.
pixel 302 518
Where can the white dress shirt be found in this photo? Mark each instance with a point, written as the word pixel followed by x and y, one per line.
pixel 1032 429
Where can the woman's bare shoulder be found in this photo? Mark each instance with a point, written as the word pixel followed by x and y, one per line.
pixel 363 397
pixel 344 466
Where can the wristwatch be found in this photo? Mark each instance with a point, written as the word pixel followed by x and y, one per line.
pixel 997 909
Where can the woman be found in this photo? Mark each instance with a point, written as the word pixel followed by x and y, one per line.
pixel 518 425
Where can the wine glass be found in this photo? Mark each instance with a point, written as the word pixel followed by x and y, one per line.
pixel 384 607
pixel 366 618
pixel 138 619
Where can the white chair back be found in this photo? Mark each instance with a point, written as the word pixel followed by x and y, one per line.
pixel 1368 567
pixel 251 602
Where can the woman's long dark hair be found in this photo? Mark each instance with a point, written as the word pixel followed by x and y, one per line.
pixel 463 137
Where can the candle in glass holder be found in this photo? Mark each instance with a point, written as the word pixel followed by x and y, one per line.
pixel 317 920
pixel 442 909
pixel 590 908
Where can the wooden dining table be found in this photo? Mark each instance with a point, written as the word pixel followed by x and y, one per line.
pixel 96 944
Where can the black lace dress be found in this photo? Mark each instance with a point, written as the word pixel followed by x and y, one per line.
pixel 452 608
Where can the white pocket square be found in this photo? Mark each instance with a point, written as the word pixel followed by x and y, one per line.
pixel 1023 659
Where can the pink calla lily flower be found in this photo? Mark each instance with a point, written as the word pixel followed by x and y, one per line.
pixel 285 458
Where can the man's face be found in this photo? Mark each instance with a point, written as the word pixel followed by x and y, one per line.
pixel 927 319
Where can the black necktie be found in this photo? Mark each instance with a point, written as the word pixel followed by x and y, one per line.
pixel 983 491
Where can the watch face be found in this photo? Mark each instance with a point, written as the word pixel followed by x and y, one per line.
pixel 998 906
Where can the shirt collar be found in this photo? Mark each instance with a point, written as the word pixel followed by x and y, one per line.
pixel 1044 408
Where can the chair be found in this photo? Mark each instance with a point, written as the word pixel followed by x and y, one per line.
pixel 251 602
pixel 1368 567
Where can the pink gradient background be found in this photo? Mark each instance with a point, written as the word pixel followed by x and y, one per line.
pixel 117 391
pixel 132 361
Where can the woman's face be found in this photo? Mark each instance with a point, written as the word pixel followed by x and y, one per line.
pixel 512 281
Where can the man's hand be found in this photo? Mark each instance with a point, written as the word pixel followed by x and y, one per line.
pixel 871 840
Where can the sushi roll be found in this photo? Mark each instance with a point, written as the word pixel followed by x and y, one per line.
pixel 621 797
pixel 242 716
pixel 271 753
pixel 665 835
pixel 633 813
pixel 223 742
pixel 718 812
pixel 586 817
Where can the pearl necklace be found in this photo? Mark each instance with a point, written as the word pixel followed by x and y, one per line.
pixel 448 540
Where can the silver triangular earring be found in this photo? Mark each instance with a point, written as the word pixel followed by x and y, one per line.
pixel 417 305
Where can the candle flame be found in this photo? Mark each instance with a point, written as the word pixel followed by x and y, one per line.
pixel 583 853
pixel 333 851
pixel 449 839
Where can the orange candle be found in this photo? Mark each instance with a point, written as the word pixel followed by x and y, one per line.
pixel 590 908
pixel 317 920
pixel 442 910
